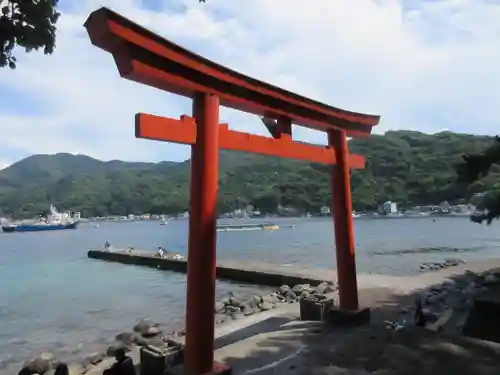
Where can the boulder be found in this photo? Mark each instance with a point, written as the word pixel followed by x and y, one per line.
pixel 141 341
pixel 247 310
pixel 75 369
pixel 151 332
pixel 128 339
pixel 110 352
pixel 323 288
pixel 291 297
pixel 235 301
pixel 230 309
pixel 284 289
pixel 156 341
pixel 299 288
pixel 271 298
pixel 266 306
pixel 144 325
pixel 219 307
pixel 40 364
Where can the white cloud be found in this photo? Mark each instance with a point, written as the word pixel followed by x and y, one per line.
pixel 424 65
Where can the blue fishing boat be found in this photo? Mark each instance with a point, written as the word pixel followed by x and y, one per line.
pixel 57 221
pixel 37 227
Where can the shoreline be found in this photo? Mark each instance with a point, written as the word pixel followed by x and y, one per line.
pixel 230 314
pixel 148 332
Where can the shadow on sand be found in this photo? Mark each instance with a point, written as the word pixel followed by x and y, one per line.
pixel 285 345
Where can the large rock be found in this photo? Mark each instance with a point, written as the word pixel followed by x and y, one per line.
pixel 230 309
pixel 144 325
pixel 271 298
pixel 323 288
pixel 75 369
pixel 248 310
pixel 290 297
pixel 152 332
pixel 128 339
pixel 266 306
pixel 112 349
pixel 219 307
pixel 255 301
pixel 235 301
pixel 284 289
pixel 40 364
pixel 299 288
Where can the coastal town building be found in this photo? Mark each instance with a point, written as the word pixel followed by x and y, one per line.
pixel 325 210
pixel 389 208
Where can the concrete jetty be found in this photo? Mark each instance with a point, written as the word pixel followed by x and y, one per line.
pixel 260 273
pixel 246 272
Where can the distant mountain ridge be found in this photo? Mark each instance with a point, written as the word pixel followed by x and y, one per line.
pixel 404 166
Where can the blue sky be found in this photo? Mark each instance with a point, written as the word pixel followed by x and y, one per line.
pixel 422 65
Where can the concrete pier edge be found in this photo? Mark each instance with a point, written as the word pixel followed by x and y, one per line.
pixel 244 272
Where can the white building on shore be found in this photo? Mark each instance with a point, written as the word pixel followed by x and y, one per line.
pixel 389 207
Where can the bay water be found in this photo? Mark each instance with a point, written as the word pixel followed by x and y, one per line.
pixel 52 298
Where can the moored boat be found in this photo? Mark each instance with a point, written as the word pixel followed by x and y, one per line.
pixel 234 227
pixel 56 221
pixel 37 227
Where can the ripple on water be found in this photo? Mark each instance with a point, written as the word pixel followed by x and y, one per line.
pixel 52 298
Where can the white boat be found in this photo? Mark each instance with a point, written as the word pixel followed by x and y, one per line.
pixel 163 222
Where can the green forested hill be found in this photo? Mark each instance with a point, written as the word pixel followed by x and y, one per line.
pixel 403 166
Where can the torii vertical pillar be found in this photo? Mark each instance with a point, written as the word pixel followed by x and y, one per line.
pixel 342 218
pixel 199 349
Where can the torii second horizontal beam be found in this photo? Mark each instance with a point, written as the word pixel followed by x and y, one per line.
pixel 183 131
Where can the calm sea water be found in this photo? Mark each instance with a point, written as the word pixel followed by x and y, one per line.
pixel 52 298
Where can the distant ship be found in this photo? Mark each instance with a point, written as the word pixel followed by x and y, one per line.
pixel 232 227
pixel 56 221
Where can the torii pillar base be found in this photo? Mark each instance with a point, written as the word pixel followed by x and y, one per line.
pixel 217 369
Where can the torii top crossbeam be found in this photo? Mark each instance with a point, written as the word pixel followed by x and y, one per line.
pixel 145 57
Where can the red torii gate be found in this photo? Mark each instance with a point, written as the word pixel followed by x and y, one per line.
pixel 147 58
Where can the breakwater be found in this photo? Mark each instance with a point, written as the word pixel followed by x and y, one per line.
pixel 243 272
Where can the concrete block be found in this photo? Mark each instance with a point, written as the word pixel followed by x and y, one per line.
pixel 155 361
pixel 313 309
